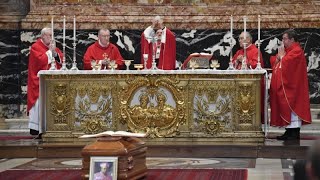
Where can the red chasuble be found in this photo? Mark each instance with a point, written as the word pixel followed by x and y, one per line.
pixel 289 90
pixel 252 57
pixel 97 52
pixel 252 60
pixel 167 59
pixel 38 60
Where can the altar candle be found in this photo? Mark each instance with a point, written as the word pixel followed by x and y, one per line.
pixel 64 29
pixel 259 28
pixel 52 34
pixel 245 27
pixel 74 29
pixel 231 26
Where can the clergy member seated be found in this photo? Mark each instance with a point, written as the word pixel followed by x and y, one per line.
pixel 164 47
pixel 102 51
pixel 251 51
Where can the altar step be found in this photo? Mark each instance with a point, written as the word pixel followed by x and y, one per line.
pixel 16 127
pixel 19 126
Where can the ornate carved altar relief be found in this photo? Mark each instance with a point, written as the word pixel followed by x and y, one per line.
pixel 181 105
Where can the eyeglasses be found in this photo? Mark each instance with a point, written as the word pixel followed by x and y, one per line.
pixel 241 38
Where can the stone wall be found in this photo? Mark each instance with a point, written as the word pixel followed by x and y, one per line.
pixel 199 25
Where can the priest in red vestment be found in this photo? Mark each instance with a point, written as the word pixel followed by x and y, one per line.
pixel 251 51
pixel 252 60
pixel 164 48
pixel 289 92
pixel 41 54
pixel 102 51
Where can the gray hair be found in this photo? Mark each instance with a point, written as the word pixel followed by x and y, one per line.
pixel 45 30
pixel 248 35
pixel 158 18
pixel 107 30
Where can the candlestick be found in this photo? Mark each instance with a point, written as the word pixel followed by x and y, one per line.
pixel 259 44
pixel 64 29
pixel 231 26
pixel 259 28
pixel 245 27
pixel 52 33
pixel 231 44
pixel 74 29
pixel 64 66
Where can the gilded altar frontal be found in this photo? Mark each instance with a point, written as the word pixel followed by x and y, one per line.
pixel 176 106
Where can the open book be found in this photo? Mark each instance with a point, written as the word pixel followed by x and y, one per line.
pixel 113 133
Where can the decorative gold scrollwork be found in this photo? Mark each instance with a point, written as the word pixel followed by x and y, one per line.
pixel 60 104
pixel 93 124
pixel 212 107
pixel 245 104
pixel 93 106
pixel 145 106
pixel 213 127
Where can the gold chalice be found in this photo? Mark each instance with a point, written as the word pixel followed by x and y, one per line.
pixel 112 64
pixel 138 66
pixel 93 64
pixel 215 64
pixel 193 64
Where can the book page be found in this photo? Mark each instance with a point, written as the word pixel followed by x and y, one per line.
pixel 112 133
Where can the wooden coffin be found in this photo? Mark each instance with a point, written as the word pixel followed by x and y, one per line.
pixel 131 153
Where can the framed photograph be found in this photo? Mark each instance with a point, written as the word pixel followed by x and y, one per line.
pixel 103 168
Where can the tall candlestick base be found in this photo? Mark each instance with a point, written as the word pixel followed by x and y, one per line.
pixel 64 65
pixel 244 64
pixel 74 64
pixel 53 64
pixel 154 65
pixel 230 65
pixel 259 64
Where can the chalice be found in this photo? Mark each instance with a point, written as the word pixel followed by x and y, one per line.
pixel 214 64
pixel 93 64
pixel 138 66
pixel 193 64
pixel 145 59
pixel 127 63
pixel 113 64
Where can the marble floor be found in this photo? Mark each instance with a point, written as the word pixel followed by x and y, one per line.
pixel 258 169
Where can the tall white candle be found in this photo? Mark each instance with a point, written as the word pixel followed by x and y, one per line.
pixel 52 33
pixel 231 26
pixel 74 29
pixel 259 28
pixel 245 27
pixel 64 29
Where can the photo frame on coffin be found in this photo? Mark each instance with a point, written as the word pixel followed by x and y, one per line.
pixel 103 168
pixel 201 59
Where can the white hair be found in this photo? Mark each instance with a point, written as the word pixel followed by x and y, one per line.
pixel 45 30
pixel 158 18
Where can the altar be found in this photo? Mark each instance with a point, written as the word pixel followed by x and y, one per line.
pixel 169 106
